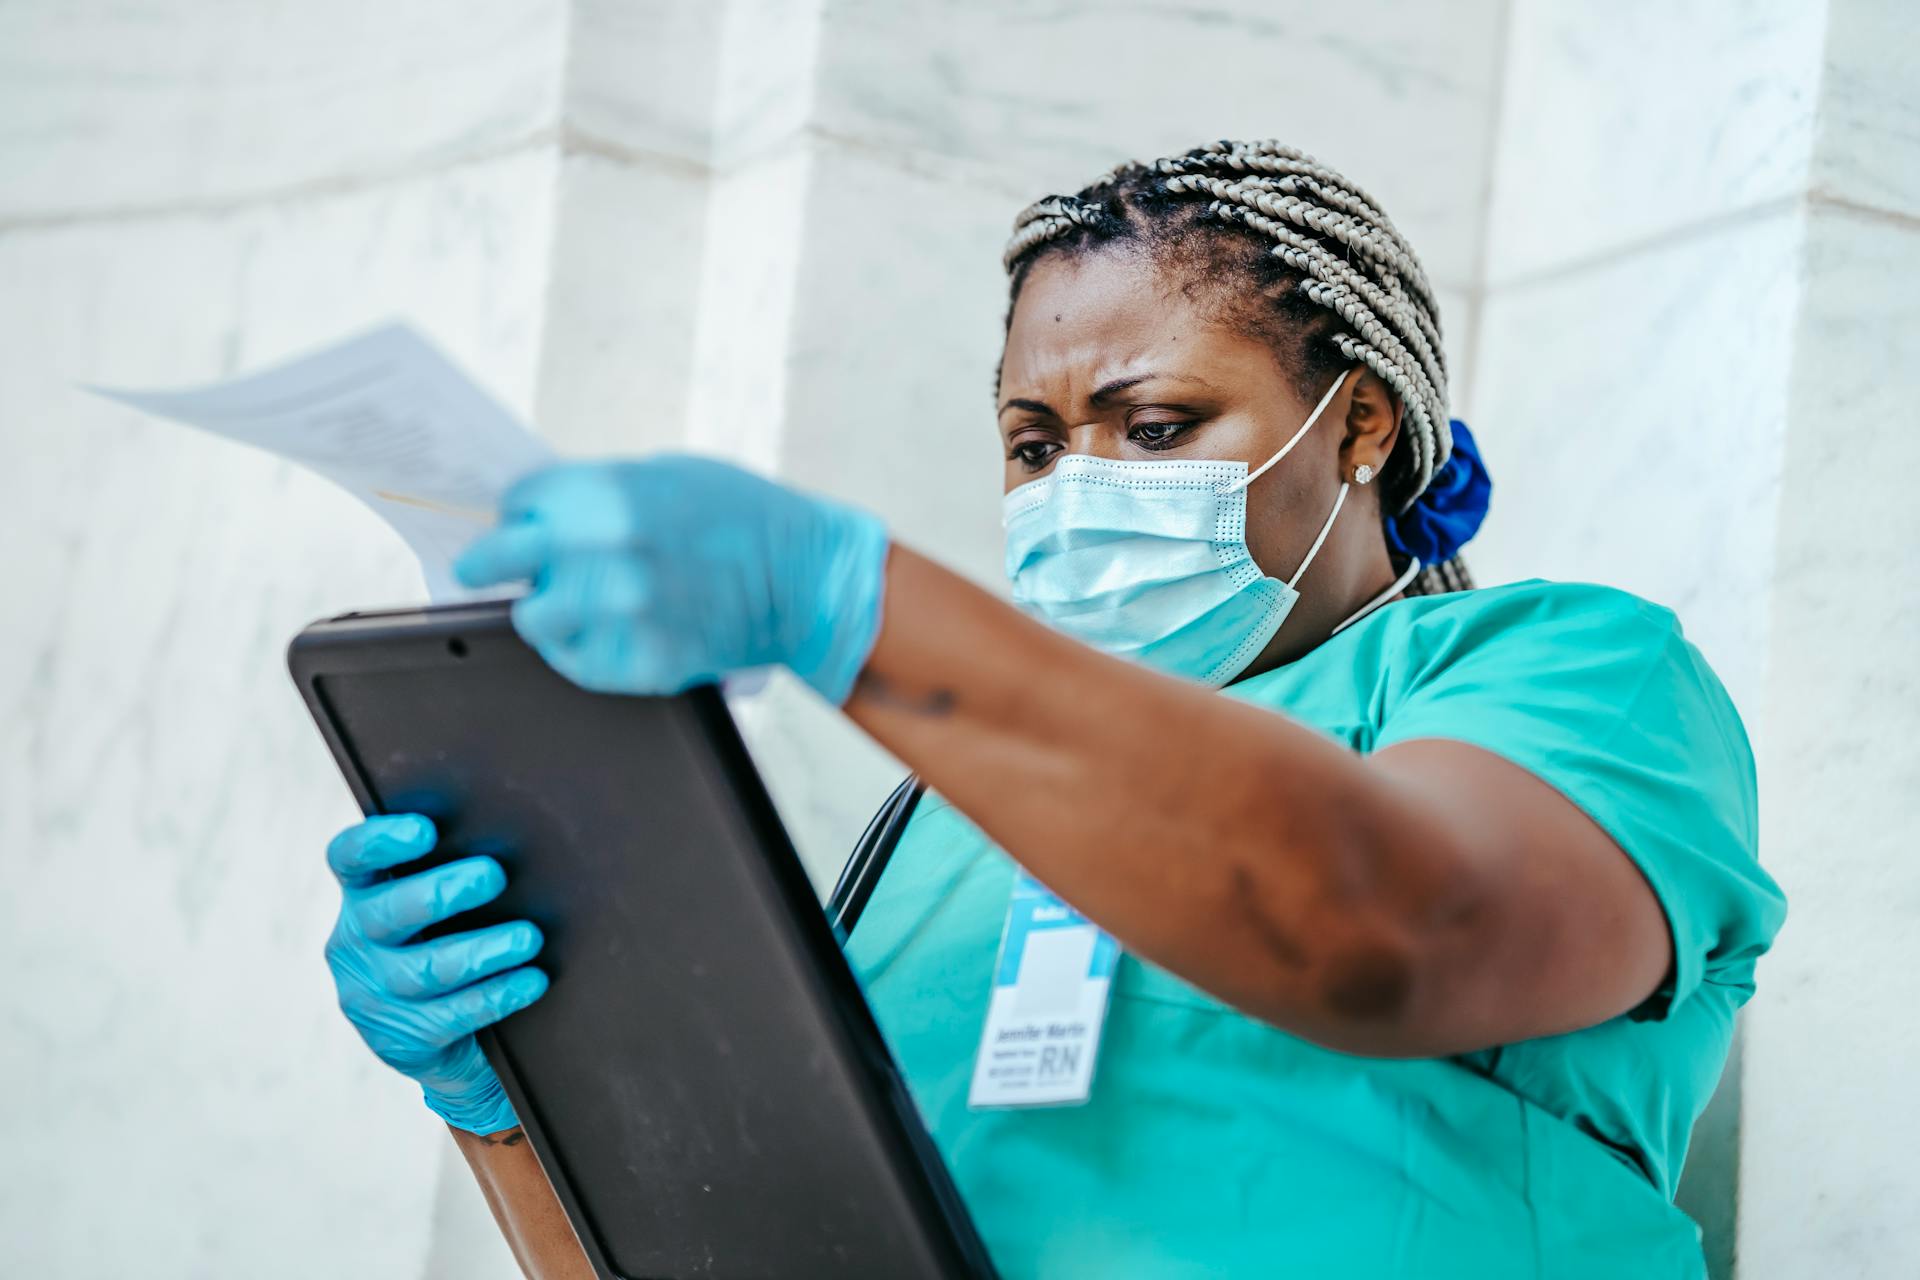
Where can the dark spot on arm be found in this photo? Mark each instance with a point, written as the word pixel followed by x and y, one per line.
pixel 508 1138
pixel 880 691
pixel 1370 983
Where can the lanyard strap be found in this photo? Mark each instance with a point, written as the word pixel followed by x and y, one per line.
pixel 871 855
pixel 1398 585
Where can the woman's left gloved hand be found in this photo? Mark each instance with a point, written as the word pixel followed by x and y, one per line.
pixel 650 576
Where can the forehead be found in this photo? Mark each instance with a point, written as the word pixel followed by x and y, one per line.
pixel 1087 319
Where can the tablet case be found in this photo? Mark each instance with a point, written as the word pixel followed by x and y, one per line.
pixel 703 1081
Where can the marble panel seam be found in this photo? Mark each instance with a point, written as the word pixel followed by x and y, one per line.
pixel 1704 228
pixel 567 140
pixel 576 142
pixel 311 189
pixel 1825 199
pixel 563 139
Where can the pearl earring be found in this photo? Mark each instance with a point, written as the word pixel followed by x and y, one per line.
pixel 1363 473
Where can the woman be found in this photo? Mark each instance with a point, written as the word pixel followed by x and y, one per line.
pixel 1436 902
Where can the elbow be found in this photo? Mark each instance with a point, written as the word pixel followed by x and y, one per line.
pixel 1382 993
pixel 1370 983
pixel 1368 973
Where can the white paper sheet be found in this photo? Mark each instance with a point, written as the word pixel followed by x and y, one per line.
pixel 386 417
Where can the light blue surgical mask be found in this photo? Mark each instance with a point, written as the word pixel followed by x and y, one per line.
pixel 1149 561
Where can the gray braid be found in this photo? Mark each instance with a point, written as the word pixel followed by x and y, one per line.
pixel 1348 257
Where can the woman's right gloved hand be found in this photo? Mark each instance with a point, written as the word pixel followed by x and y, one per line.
pixel 417 1005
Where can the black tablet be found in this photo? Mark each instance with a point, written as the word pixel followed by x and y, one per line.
pixel 703 1081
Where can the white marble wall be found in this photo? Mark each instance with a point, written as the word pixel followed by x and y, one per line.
pixel 1669 239
pixel 1642 277
pixel 1641 281
pixel 184 1099
pixel 1696 367
pixel 1828 1178
pixel 185 190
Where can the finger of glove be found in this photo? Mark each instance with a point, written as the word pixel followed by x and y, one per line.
pixel 636 658
pixel 360 853
pixel 592 503
pixel 591 595
pixel 547 487
pixel 485 1003
pixel 510 553
pixel 548 620
pixel 393 912
pixel 428 970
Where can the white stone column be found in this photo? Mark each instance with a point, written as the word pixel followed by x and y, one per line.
pixel 1829 1181
pixel 1694 381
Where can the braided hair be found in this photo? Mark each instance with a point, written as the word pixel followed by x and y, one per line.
pixel 1294 253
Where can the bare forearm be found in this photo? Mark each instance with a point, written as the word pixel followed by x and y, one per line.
pixel 1242 851
pixel 524 1205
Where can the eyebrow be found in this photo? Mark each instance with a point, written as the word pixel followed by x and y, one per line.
pixel 1107 390
pixel 1033 406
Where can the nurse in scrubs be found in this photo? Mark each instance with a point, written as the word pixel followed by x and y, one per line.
pixel 1378 925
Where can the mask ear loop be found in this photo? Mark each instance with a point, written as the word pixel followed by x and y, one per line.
pixel 1287 448
pixel 1318 542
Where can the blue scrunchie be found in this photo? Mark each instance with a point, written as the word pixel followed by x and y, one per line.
pixel 1450 511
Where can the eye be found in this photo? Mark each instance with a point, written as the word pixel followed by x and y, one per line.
pixel 1158 435
pixel 1033 454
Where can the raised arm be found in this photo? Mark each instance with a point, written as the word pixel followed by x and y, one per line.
pixel 1431 898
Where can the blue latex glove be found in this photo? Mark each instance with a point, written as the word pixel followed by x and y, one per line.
pixel 650 576
pixel 417 1005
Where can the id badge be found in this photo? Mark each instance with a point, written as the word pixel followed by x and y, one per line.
pixel 1051 984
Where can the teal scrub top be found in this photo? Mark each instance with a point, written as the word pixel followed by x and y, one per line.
pixel 1217 1145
